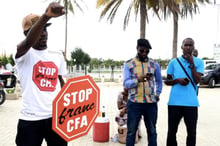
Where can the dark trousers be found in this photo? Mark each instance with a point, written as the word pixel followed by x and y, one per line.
pixel 190 116
pixel 32 133
pixel 149 112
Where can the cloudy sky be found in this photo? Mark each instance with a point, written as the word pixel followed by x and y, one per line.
pixel 103 40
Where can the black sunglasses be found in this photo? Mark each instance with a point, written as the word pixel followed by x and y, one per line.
pixel 144 50
pixel 188 45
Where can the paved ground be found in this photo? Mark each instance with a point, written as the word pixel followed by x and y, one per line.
pixel 208 125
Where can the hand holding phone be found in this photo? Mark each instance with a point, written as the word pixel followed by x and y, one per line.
pixel 186 79
pixel 149 74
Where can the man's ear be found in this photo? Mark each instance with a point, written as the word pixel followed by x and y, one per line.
pixel 182 47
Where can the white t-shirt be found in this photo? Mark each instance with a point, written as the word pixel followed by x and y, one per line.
pixel 38 72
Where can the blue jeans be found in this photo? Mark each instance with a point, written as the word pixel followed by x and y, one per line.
pixel 190 116
pixel 149 112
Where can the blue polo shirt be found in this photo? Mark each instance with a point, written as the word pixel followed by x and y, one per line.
pixel 184 95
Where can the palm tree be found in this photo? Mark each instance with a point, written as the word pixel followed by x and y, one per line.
pixel 177 8
pixel 138 5
pixel 69 6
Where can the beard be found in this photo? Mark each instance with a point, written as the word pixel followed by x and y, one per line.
pixel 142 58
pixel 43 46
pixel 40 46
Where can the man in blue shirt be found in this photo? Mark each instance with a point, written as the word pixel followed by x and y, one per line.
pixel 142 76
pixel 183 101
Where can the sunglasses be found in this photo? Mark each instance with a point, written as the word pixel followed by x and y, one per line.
pixel 188 45
pixel 144 50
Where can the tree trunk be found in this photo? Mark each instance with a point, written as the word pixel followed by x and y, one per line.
pixel 142 18
pixel 175 34
pixel 66 14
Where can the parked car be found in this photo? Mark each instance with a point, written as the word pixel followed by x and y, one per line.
pixel 211 66
pixel 208 62
pixel 211 75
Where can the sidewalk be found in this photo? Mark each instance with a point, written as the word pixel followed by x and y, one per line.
pixel 208 131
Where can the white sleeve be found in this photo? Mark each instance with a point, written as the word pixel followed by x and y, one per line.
pixel 62 67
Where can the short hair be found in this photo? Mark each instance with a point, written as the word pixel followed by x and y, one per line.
pixel 188 39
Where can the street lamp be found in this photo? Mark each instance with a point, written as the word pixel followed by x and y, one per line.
pixel 100 62
pixel 85 69
pixel 74 63
pixel 112 73
pixel 74 67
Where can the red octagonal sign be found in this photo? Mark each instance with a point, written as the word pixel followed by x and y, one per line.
pixel 76 107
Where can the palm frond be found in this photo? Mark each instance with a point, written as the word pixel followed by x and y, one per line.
pixel 100 3
pixel 114 10
pixel 188 8
pixel 204 1
pixel 136 6
pixel 107 7
pixel 170 7
pixel 70 7
pixel 113 5
pixel 77 5
pixel 127 16
pixel 153 4
pixel 71 4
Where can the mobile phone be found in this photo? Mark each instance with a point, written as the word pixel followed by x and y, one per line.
pixel 149 75
pixel 186 79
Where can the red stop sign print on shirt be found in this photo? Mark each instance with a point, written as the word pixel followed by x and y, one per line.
pixel 45 75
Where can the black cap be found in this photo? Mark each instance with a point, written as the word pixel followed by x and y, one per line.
pixel 143 43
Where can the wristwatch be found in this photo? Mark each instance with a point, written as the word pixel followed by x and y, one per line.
pixel 191 66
